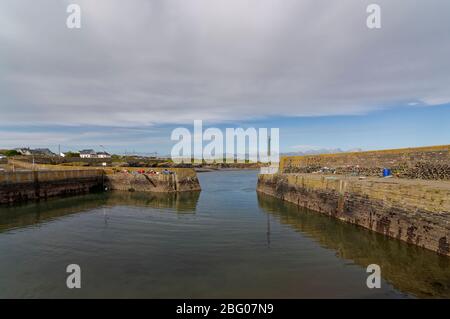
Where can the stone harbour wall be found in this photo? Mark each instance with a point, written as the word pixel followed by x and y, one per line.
pixel 23 186
pixel 178 182
pixel 418 163
pixel 414 211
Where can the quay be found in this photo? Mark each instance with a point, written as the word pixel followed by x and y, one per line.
pixel 36 182
pixel 413 205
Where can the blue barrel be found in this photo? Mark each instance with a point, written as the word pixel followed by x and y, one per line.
pixel 386 172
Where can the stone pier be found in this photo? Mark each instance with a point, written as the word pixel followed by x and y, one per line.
pixel 414 211
pixel 180 180
pixel 48 181
pixel 23 186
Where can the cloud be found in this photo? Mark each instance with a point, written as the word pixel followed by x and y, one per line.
pixel 113 138
pixel 139 62
pixel 436 100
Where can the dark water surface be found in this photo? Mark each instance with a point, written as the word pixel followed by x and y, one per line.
pixel 226 241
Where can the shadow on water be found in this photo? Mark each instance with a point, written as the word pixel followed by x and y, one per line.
pixel 408 268
pixel 184 202
pixel 34 213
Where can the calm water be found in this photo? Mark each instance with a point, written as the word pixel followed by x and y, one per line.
pixel 226 241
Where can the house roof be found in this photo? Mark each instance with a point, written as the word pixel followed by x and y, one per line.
pixel 37 151
pixel 92 152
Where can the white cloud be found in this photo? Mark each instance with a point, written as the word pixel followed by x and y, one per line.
pixel 12 137
pixel 140 62
pixel 436 100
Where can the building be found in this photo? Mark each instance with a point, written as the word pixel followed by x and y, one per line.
pixel 93 154
pixel 103 155
pixel 42 152
pixel 88 153
pixel 23 151
pixel 36 152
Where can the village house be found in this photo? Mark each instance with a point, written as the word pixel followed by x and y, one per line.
pixel 36 152
pixel 88 153
pixel 103 155
pixel 23 151
pixel 42 152
pixel 93 154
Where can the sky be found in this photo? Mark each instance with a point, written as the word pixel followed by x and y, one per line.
pixel 137 69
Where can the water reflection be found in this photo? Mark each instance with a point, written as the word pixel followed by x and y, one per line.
pixel 234 246
pixel 184 202
pixel 35 213
pixel 408 268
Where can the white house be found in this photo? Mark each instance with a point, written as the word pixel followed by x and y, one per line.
pixel 93 154
pixel 88 154
pixel 103 155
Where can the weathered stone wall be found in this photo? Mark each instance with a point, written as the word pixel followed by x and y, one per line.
pixel 418 163
pixel 21 186
pixel 181 181
pixel 417 212
pixel 56 160
pixel 35 185
pixel 44 167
